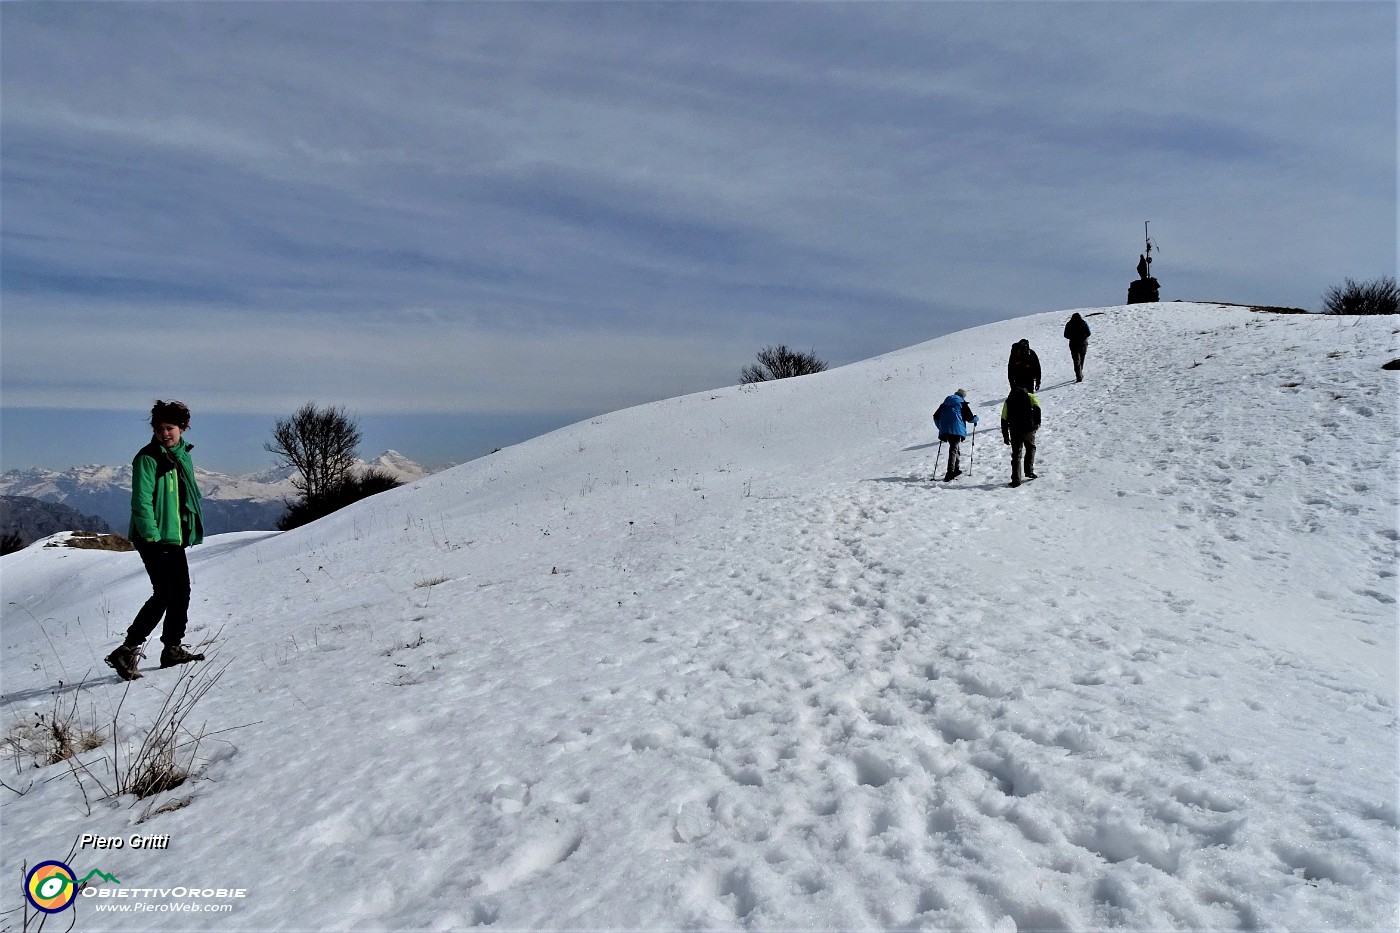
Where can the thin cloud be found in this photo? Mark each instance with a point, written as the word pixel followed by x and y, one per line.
pixel 496 206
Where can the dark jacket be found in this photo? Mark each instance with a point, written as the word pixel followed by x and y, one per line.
pixel 1023 368
pixel 1020 413
pixel 1077 330
pixel 164 498
pixel 952 418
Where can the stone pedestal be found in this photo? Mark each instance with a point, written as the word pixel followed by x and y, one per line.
pixel 1143 290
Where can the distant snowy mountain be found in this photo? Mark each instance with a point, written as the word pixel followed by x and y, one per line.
pixel 250 502
pixel 399 465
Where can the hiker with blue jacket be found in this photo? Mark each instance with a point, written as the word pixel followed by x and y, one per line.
pixel 952 419
pixel 165 519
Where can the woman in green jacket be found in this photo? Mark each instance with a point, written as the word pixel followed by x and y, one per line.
pixel 165 519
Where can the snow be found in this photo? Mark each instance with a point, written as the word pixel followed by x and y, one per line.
pixel 733 660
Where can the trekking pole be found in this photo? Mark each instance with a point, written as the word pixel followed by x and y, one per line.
pixel 936 456
pixel 972 460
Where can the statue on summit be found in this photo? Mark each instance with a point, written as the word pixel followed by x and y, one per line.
pixel 1145 287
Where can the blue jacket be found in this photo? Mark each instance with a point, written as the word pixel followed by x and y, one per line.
pixel 952 417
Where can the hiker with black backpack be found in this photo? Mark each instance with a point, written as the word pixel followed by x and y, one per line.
pixel 1020 419
pixel 1023 367
pixel 952 418
pixel 165 519
pixel 1077 333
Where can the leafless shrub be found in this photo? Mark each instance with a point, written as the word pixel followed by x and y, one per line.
pixel 166 757
pixel 167 754
pixel 1378 296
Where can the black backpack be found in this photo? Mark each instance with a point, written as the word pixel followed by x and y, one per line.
pixel 1020 413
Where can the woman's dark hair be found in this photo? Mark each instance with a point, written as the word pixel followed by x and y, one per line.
pixel 171 412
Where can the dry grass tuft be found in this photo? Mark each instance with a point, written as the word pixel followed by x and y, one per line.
pixel 50 738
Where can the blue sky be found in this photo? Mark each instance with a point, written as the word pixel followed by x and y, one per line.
pixel 472 222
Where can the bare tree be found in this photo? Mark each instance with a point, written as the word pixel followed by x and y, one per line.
pixel 780 363
pixel 320 443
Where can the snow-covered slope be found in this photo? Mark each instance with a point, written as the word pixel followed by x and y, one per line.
pixel 732 660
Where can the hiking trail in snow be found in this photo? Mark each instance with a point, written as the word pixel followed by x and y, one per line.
pixel 735 660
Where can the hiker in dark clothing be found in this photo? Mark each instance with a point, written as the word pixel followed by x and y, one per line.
pixel 165 519
pixel 1020 419
pixel 952 419
pixel 1023 368
pixel 1077 333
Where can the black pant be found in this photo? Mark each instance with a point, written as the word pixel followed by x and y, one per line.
pixel 1077 349
pixel 170 595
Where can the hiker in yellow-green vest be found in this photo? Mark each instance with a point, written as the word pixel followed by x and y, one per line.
pixel 165 519
pixel 1020 419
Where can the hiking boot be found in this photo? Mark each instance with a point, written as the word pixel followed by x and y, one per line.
pixel 123 661
pixel 1032 476
pixel 1014 483
pixel 172 655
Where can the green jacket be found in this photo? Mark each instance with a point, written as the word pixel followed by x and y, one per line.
pixel 164 497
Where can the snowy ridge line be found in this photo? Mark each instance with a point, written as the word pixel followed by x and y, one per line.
pixel 733 661
pixel 252 501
